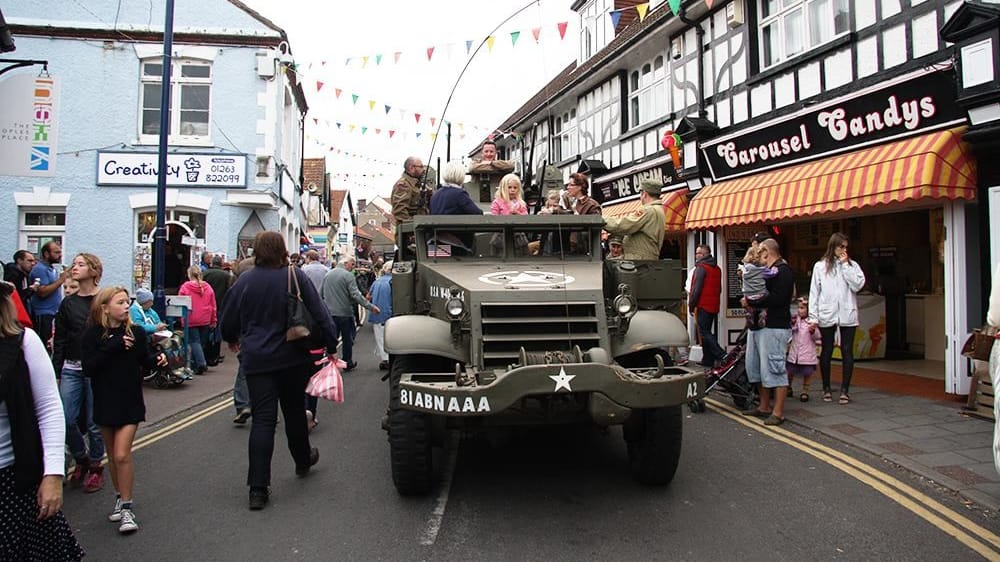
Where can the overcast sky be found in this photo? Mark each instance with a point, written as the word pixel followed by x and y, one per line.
pixel 497 82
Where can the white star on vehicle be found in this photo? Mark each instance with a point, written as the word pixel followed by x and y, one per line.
pixel 562 380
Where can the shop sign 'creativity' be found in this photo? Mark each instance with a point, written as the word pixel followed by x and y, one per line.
pixel 915 104
pixel 28 125
pixel 190 170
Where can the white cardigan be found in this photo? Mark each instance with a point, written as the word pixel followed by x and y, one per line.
pixel 833 299
pixel 993 314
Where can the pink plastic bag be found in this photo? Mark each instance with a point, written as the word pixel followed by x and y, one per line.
pixel 327 382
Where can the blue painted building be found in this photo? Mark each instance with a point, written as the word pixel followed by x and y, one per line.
pixel 236 130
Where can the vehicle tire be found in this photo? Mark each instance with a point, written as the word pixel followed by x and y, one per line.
pixel 410 433
pixel 160 380
pixel 410 452
pixel 696 406
pixel 653 437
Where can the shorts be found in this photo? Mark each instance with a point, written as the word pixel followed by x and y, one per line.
pixel 765 358
pixel 796 370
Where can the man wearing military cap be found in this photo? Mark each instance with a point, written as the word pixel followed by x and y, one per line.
pixel 644 228
pixel 615 249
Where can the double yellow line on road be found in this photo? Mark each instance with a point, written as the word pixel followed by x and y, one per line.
pixel 966 531
pixel 187 421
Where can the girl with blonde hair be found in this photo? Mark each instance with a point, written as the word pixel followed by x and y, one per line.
pixel 508 200
pixel 113 355
pixel 201 319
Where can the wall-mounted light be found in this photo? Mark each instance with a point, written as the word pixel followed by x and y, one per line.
pixel 263 164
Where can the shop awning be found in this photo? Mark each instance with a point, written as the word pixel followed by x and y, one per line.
pixel 675 206
pixel 932 166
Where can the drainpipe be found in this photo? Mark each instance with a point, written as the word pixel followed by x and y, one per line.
pixel 700 32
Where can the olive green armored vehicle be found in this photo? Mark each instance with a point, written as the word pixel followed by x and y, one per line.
pixel 507 321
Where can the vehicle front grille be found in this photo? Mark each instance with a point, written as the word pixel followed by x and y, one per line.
pixel 537 327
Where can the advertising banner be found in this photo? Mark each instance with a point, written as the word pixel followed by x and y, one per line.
pixel 28 125
pixel 183 170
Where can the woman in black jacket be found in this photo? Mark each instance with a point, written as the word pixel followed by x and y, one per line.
pixel 253 322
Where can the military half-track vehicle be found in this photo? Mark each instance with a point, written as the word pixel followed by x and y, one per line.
pixel 506 321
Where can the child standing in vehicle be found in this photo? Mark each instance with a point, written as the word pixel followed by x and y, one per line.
pixel 508 199
pixel 113 352
pixel 802 360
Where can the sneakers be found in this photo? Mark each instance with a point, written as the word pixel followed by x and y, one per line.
pixel 303 470
pixel 259 497
pixel 242 417
pixel 76 477
pixel 94 480
pixel 116 513
pixel 128 524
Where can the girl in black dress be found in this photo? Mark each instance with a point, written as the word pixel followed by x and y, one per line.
pixel 113 354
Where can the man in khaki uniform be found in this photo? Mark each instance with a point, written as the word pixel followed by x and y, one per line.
pixel 408 199
pixel 644 228
pixel 489 164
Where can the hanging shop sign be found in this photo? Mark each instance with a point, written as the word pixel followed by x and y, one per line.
pixel 183 170
pixel 906 106
pixel 623 182
pixel 28 125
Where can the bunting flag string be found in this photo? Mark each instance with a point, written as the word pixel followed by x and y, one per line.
pixel 641 10
pixel 514 35
pixel 644 8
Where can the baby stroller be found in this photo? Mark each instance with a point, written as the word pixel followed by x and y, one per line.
pixel 730 376
pixel 176 371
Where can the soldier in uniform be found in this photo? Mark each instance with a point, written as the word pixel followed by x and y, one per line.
pixel 644 228
pixel 408 196
pixel 489 164
pixel 615 249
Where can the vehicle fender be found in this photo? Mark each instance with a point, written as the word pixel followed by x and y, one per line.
pixel 411 334
pixel 650 329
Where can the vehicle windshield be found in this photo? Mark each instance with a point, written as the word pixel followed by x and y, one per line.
pixel 513 242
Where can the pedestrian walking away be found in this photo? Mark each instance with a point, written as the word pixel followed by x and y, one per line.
pixel 833 295
pixel 340 293
pixel 32 433
pixel 74 388
pixel 202 318
pixel 704 301
pixel 254 323
pixel 220 280
pixel 114 352
pixel 381 297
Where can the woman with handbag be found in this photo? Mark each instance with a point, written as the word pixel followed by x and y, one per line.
pixel 256 323
pixel 993 322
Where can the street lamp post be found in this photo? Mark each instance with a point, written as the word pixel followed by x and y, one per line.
pixel 160 240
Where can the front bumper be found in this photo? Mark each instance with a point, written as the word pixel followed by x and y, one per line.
pixel 438 393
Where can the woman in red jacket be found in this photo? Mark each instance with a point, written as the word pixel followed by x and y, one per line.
pixel 201 319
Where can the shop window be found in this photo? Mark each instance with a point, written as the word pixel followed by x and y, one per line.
pixel 791 27
pixel 40 226
pixel 647 92
pixel 190 101
pixel 146 223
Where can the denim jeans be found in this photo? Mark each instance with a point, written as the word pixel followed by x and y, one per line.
pixel 197 336
pixel 241 394
pixel 347 329
pixel 710 347
pixel 74 389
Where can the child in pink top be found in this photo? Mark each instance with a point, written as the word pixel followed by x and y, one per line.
pixel 802 359
pixel 202 317
pixel 508 199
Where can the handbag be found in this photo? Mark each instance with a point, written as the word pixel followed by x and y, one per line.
pixel 301 325
pixel 327 382
pixel 980 343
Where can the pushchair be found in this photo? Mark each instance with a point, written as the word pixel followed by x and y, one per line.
pixel 730 376
pixel 176 371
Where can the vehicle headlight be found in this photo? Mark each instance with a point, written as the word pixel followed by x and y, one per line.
pixel 625 305
pixel 455 307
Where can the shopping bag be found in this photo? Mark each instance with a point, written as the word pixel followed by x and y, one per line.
pixel 327 382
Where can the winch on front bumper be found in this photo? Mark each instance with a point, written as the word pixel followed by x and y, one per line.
pixel 613 390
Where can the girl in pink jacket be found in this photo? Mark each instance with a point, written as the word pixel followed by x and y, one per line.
pixel 508 200
pixel 201 319
pixel 802 358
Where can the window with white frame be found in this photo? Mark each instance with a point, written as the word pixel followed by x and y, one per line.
pixel 647 92
pixel 791 27
pixel 38 226
pixel 190 100
pixel 566 142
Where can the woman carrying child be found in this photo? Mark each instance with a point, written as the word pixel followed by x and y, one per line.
pixel 114 351
pixel 801 361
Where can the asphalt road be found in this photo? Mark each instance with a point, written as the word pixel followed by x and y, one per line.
pixel 542 495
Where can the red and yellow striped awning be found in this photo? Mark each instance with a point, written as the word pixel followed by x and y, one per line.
pixel 932 166
pixel 675 206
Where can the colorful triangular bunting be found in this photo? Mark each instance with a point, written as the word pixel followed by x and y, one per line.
pixel 562 28
pixel 644 8
pixel 514 35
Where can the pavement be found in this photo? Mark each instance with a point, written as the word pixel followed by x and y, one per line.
pixel 909 421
